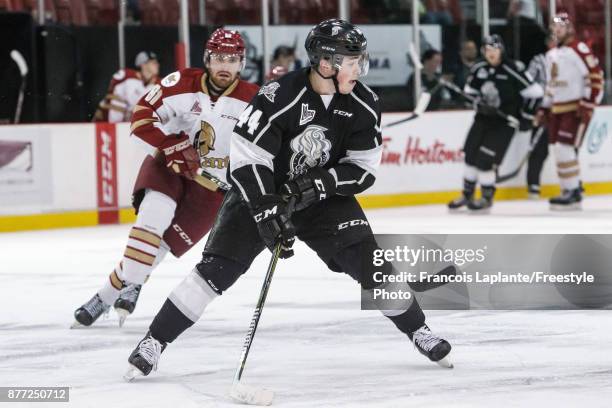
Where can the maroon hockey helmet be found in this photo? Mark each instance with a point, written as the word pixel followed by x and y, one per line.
pixel 562 18
pixel 228 42
pixel 225 42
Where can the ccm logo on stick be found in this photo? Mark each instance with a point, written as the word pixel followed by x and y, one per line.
pixel 352 223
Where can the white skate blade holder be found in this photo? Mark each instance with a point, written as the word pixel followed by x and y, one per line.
pixel 132 373
pixel 445 363
pixel 122 314
pixel 250 395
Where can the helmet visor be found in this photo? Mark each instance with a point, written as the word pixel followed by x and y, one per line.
pixel 353 62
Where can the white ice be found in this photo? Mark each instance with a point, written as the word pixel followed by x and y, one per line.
pixel 314 346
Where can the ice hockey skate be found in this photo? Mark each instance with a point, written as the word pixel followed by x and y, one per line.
pixel 87 314
pixel 569 200
pixel 126 302
pixel 145 357
pixel 431 346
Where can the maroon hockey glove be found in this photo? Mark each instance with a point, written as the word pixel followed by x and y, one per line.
pixel 181 157
pixel 274 223
pixel 314 186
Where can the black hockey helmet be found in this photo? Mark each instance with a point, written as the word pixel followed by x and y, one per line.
pixel 495 41
pixel 335 39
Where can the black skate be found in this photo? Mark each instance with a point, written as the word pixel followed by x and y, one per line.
pixel 431 346
pixel 483 204
pixel 126 302
pixel 145 357
pixel 467 194
pixel 458 203
pixel 90 311
pixel 569 200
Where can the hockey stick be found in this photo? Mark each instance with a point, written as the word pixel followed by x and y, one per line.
pixel 512 121
pixel 245 393
pixel 418 110
pixel 23 71
pixel 210 182
pixel 532 145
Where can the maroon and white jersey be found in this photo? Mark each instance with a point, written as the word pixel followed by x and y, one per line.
pixel 124 92
pixel 182 103
pixel 574 76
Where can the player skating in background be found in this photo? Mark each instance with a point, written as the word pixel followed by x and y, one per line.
pixel 499 86
pixel 574 88
pixel 184 123
pixel 313 135
pixel 126 89
pixel 539 134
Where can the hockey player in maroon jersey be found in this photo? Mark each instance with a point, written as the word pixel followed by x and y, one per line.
pixel 127 87
pixel 184 124
pixel 575 87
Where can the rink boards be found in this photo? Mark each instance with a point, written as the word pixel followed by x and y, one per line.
pixel 62 175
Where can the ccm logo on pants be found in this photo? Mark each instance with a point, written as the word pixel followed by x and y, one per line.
pixel 352 223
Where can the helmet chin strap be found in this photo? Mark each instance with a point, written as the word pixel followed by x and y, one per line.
pixel 334 77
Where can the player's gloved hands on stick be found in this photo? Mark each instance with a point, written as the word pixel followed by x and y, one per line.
pixel 180 156
pixel 585 111
pixel 314 186
pixel 271 214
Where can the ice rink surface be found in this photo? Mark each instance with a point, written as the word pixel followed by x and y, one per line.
pixel 314 346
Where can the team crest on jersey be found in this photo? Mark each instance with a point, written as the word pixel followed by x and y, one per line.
pixel 554 70
pixel 269 90
pixel 490 94
pixel 307 114
pixel 310 149
pixel 482 73
pixel 205 139
pixel 171 79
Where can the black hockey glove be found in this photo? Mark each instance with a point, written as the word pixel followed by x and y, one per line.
pixel 314 186
pixel 274 223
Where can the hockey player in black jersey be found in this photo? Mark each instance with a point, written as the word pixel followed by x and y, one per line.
pixel 314 135
pixel 499 86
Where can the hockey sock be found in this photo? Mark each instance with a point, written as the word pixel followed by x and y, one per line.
pixel 183 308
pixel 409 320
pixel 568 168
pixel 144 249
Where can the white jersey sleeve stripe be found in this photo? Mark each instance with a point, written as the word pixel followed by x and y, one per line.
pixel 369 160
pixel 244 152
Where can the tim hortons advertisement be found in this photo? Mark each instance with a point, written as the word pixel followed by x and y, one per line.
pixel 422 155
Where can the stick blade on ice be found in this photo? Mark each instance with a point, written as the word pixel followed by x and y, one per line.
pixel 250 395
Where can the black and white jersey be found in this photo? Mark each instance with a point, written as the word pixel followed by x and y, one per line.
pixel 288 128
pixel 503 86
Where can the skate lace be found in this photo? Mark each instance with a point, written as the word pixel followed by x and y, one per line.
pixel 96 306
pixel 425 339
pixel 130 293
pixel 150 349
